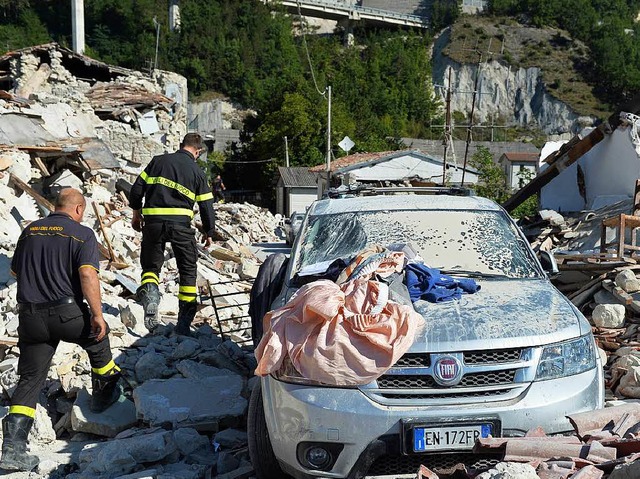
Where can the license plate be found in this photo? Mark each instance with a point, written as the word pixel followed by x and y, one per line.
pixel 427 439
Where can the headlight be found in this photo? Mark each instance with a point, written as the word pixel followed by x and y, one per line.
pixel 289 374
pixel 566 358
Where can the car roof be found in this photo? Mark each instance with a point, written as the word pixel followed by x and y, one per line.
pixel 401 202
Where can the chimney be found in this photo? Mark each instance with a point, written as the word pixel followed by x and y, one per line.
pixel 77 22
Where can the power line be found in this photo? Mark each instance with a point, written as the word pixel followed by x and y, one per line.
pixel 306 49
pixel 224 162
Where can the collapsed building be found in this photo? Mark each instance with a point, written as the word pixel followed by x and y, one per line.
pixel 67 120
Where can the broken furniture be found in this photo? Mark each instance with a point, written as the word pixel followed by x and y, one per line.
pixel 624 223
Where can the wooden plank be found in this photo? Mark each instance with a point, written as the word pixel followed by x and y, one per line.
pixel 8 341
pixel 594 282
pixel 622 296
pixel 589 267
pixel 112 254
pixel 221 253
pixel 42 201
pixel 41 166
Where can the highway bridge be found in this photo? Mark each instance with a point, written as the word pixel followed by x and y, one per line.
pixel 350 10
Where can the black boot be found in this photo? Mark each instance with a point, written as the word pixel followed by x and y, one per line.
pixel 105 389
pixel 186 313
pixel 149 296
pixel 15 430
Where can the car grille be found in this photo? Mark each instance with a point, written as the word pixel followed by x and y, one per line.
pixel 492 357
pixel 486 375
pixel 413 360
pixel 439 463
pixel 488 378
pixel 474 394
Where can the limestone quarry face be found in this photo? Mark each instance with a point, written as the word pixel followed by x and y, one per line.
pixel 515 95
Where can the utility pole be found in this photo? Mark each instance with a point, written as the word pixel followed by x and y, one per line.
pixel 157 25
pixel 286 152
pixel 329 138
pixel 473 106
pixel 447 130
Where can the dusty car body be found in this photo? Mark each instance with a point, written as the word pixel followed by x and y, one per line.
pixel 514 356
pixel 292 226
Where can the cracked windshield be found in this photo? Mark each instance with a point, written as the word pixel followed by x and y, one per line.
pixel 476 243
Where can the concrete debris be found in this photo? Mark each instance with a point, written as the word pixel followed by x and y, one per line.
pixel 119 417
pixel 609 315
pixel 510 470
pixel 603 284
pixel 211 403
pixel 97 137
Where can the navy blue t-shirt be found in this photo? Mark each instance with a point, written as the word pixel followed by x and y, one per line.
pixel 48 257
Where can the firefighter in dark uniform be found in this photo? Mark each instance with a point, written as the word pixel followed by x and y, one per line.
pixel 56 267
pixel 170 185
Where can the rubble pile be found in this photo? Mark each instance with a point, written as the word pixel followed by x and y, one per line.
pixel 183 411
pixel 603 285
pixel 606 444
pixel 205 426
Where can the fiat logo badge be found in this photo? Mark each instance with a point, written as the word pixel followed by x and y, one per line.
pixel 447 371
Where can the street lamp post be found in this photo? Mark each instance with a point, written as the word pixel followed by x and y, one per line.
pixel 157 25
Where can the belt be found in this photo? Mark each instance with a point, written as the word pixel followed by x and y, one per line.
pixel 49 304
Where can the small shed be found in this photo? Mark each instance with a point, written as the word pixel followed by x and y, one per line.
pixel 296 189
pixel 518 166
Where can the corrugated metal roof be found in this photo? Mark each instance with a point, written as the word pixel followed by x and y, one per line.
pixel 366 159
pixel 521 157
pixel 298 176
pixel 357 159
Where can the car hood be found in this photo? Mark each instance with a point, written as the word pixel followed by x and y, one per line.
pixel 503 314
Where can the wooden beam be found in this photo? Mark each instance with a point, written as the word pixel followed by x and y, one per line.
pixel 41 200
pixel 45 203
pixel 572 151
pixel 112 254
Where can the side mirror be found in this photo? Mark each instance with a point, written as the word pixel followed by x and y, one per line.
pixel 287 221
pixel 549 264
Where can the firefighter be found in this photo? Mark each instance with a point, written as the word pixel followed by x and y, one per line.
pixel 169 186
pixel 56 267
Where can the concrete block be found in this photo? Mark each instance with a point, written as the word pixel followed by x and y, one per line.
pixel 510 470
pixel 118 417
pixel 609 315
pixel 212 403
pixel 627 280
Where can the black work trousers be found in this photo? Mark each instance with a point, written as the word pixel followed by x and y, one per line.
pixel 39 332
pixel 155 236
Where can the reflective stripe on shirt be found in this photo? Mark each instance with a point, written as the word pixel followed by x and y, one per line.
pixel 159 180
pixel 167 212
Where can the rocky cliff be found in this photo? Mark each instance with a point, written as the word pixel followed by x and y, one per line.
pixel 508 95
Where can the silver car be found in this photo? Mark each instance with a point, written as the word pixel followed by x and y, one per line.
pixel 514 356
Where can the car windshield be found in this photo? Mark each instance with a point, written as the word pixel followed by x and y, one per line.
pixel 477 243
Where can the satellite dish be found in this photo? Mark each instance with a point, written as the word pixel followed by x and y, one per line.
pixel 346 144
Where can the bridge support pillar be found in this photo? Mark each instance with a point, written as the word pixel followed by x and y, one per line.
pixel 347 26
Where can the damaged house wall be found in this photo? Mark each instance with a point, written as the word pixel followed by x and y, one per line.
pixel 604 175
pixel 136 115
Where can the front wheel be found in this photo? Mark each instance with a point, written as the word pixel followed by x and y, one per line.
pixel 264 461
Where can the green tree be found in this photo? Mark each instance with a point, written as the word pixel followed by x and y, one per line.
pixel 492 182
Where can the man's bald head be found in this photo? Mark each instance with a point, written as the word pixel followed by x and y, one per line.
pixel 72 202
